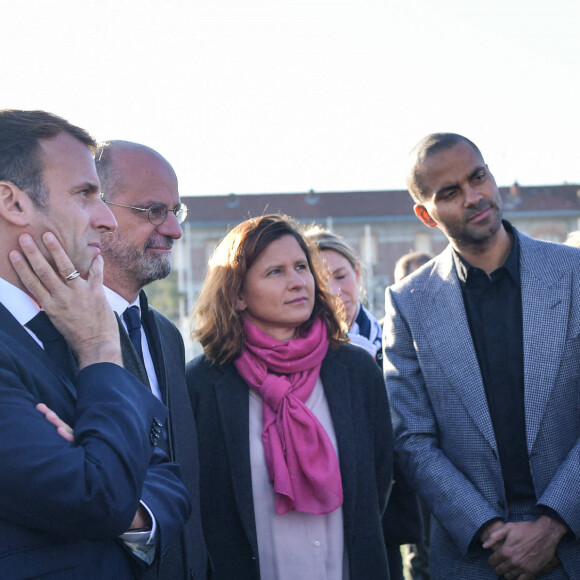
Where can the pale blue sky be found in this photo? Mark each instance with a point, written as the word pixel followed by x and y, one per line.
pixel 287 95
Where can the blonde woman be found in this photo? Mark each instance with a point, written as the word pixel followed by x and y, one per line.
pixel 402 521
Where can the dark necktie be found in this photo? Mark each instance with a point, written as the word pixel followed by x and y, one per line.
pixel 54 344
pixel 132 319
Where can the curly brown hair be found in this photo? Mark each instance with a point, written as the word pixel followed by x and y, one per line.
pixel 218 324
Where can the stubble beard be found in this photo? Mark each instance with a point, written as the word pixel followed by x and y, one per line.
pixel 467 234
pixel 129 260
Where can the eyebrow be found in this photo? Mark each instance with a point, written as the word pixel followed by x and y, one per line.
pixel 272 266
pixel 159 203
pixel 92 187
pixel 281 266
pixel 446 188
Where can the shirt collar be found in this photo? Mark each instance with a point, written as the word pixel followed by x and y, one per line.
pixel 17 302
pixel 511 265
pixel 118 303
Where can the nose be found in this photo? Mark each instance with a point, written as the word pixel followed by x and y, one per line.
pixel 170 227
pixel 472 196
pixel 103 218
pixel 296 281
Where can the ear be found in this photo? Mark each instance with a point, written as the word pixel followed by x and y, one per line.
pixel 241 303
pixel 15 205
pixel 422 213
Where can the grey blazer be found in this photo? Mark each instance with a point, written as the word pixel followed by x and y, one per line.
pixel 443 431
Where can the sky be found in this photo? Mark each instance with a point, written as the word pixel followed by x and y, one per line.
pixel 256 96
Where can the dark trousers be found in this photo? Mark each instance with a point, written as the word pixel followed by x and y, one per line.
pixel 418 561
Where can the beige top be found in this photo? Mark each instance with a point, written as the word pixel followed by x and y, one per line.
pixel 294 545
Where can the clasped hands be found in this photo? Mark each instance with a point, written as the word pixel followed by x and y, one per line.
pixel 523 550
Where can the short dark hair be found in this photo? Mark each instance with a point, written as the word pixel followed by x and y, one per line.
pixel 218 323
pixel 430 145
pixel 408 263
pixel 20 159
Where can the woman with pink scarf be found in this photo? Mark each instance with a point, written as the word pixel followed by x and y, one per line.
pixel 294 432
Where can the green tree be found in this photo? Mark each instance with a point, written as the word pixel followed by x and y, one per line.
pixel 164 296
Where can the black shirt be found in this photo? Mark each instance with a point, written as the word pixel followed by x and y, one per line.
pixel 494 310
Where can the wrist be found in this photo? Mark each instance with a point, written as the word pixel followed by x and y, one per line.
pixel 106 351
pixel 555 528
pixel 489 528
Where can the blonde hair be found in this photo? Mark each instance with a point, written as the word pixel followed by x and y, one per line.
pixel 327 240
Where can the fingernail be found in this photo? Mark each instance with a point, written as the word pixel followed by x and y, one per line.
pixel 49 237
pixel 15 257
pixel 25 240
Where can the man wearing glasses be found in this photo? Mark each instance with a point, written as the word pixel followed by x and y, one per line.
pixel 140 188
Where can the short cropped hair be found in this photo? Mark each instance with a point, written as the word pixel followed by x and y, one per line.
pixel 430 145
pixel 20 152
pixel 408 263
pixel 113 182
pixel 218 322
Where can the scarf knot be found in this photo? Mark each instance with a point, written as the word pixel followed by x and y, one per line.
pixel 273 391
pixel 302 463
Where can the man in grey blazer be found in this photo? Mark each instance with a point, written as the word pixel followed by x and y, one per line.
pixel 140 187
pixel 482 367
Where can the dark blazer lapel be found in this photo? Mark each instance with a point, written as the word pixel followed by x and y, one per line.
pixel 131 360
pixel 546 295
pixel 168 353
pixel 234 408
pixel 161 351
pixel 334 377
pixel 13 328
pixel 439 306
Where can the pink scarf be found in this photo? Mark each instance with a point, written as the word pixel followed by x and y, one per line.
pixel 302 464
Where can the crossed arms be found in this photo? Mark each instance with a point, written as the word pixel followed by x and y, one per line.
pixel 91 487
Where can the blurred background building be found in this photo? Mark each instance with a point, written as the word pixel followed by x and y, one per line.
pixel 381 225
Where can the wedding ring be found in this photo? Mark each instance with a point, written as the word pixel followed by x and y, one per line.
pixel 74 274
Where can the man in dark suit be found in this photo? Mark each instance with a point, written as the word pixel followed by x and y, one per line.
pixel 97 500
pixel 482 359
pixel 141 189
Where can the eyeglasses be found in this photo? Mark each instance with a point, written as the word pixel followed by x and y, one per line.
pixel 157 212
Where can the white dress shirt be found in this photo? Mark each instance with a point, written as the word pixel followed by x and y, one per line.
pixel 119 305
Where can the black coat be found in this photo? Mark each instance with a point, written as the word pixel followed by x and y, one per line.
pixel 359 407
